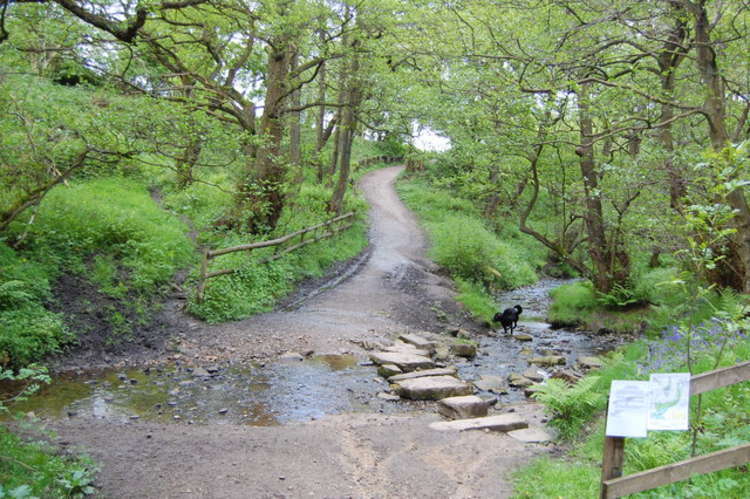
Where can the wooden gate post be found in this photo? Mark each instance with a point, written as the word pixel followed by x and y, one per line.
pixel 612 460
pixel 203 277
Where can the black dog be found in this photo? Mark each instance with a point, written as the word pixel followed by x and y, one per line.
pixel 509 318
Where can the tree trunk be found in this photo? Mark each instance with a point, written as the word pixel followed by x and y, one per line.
pixel 261 196
pixel 348 123
pixel 610 265
pixel 734 270
pixel 672 54
pixel 295 153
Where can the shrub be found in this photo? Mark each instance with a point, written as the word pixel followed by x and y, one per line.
pixel 468 250
pixel 28 331
pixel 570 405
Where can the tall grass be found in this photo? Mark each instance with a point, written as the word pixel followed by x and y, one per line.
pixel 116 218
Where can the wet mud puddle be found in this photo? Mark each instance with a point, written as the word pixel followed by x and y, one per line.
pixel 270 395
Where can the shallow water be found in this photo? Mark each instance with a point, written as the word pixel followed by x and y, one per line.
pixel 290 391
pixel 501 355
pixel 260 396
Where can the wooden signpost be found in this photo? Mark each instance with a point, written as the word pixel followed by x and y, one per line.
pixel 613 484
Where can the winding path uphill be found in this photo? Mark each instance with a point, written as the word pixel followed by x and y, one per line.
pixel 347 455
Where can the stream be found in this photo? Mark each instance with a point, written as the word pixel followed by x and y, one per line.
pixel 292 390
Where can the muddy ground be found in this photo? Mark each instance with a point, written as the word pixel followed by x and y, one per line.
pixel 392 289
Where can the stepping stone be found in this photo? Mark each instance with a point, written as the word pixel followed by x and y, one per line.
pixel 549 360
pixel 464 350
pixel 442 352
pixel 387 370
pixel 567 375
pixel 531 435
pixel 590 362
pixel 406 348
pixel 469 406
pixel 405 361
pixel 519 381
pixel 534 374
pixel 523 337
pixel 389 397
pixel 494 384
pixel 291 357
pixel 433 388
pixel 531 390
pixel 503 422
pixel 442 371
pixel 418 342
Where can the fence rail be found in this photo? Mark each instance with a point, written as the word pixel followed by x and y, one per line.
pixel 615 485
pixel 209 254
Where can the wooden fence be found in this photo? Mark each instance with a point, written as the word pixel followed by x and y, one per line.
pixel 209 254
pixel 615 485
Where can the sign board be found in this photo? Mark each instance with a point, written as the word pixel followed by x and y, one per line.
pixel 627 415
pixel 670 401
pixel 662 403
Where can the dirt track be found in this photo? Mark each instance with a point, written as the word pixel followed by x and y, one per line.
pixel 350 455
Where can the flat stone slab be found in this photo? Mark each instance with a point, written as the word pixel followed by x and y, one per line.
pixel 440 371
pixel 406 348
pixel 388 396
pixel 469 406
pixel 432 388
pixel 494 384
pixel 534 374
pixel 523 337
pixel 387 370
pixel 405 361
pixel 590 362
pixel 418 341
pixel 531 435
pixel 464 350
pixel 503 422
pixel 549 360
pixel 519 381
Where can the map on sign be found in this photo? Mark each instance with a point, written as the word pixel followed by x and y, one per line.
pixel 662 403
pixel 670 401
pixel 627 415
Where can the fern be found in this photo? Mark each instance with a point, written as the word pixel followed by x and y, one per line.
pixel 570 406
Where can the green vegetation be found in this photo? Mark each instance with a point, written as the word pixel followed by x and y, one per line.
pixel 35 469
pixel 480 260
pixel 30 470
pixel 28 330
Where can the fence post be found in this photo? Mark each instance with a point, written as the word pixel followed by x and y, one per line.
pixel 613 458
pixel 202 281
